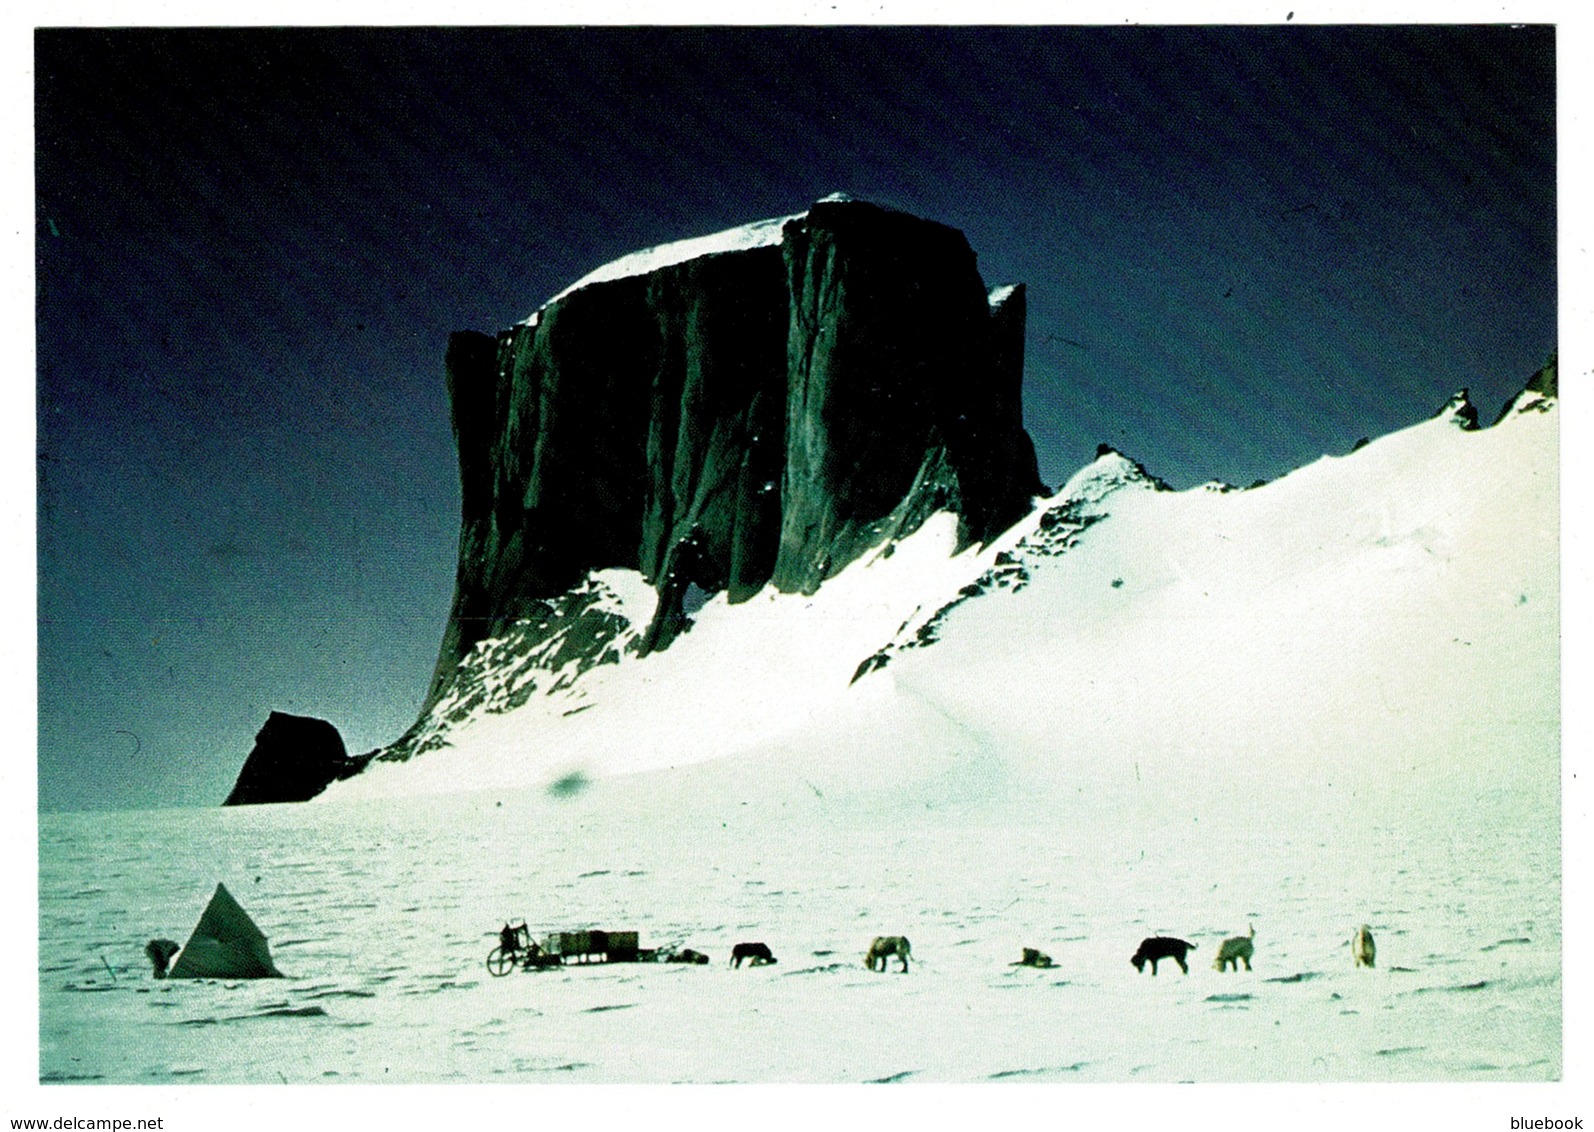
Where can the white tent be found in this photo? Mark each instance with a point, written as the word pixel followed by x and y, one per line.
pixel 225 944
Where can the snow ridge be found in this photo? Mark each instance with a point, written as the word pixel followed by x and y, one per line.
pixel 1110 472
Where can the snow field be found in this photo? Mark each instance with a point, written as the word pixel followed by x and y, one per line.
pixel 383 912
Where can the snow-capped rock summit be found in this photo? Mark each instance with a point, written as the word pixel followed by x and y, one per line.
pixel 759 407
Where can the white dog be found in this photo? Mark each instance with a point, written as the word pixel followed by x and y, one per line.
pixel 1361 947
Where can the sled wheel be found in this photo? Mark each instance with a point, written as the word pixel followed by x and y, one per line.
pixel 500 962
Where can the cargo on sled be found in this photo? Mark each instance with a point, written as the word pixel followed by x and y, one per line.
pixel 516 948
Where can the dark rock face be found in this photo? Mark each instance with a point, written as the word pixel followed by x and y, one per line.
pixel 753 416
pixel 638 425
pixel 899 378
pixel 295 757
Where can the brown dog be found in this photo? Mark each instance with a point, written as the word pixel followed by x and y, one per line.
pixel 1233 952
pixel 885 946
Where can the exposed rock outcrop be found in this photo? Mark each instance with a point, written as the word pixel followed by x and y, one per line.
pixel 1542 389
pixel 295 757
pixel 752 416
pixel 1460 411
pixel 1546 381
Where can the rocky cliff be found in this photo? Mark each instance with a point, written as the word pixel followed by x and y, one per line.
pixel 736 418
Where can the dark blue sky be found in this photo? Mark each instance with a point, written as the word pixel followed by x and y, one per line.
pixel 1245 248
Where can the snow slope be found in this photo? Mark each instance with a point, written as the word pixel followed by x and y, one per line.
pixel 1393 612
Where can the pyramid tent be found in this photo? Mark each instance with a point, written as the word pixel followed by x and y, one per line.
pixel 225 944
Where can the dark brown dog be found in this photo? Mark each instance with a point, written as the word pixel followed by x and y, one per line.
pixel 757 954
pixel 1158 947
